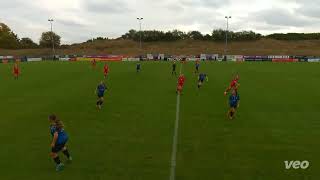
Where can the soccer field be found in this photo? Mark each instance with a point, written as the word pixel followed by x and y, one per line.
pixel 132 137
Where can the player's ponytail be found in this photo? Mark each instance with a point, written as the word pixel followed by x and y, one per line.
pixel 59 124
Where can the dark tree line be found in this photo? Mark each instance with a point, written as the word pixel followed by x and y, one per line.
pixel 295 36
pixel 97 39
pixel 216 35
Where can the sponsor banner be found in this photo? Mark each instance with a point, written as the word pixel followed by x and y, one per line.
pixel 100 58
pixel 314 60
pixel 239 57
pixel 262 58
pixel 249 58
pixel 285 60
pixel 130 59
pixel 256 58
pixel 161 56
pixel 34 59
pixel 193 59
pixel 301 58
pixel 6 57
pixel 231 58
pixel 213 57
pixel 203 57
pixel 220 59
pixel 64 59
pixel 279 57
pixel 150 56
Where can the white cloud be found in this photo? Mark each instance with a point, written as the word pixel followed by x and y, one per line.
pixel 79 20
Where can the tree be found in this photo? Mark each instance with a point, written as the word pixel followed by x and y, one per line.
pixel 219 35
pixel 8 39
pixel 46 39
pixel 207 37
pixel 195 35
pixel 130 35
pixel 27 43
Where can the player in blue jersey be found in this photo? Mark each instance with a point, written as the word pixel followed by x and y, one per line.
pixel 138 67
pixel 174 67
pixel 197 67
pixel 59 141
pixel 202 78
pixel 100 93
pixel 234 101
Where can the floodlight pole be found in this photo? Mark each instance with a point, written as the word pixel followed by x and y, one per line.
pixel 227 31
pixel 140 21
pixel 52 37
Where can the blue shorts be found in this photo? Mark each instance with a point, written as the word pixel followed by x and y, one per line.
pixel 58 147
pixel 100 95
pixel 234 106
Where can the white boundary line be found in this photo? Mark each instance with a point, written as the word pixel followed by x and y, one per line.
pixel 175 138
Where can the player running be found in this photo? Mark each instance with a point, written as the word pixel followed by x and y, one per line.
pixel 197 67
pixel 138 67
pixel 234 102
pixel 16 71
pixel 234 85
pixel 105 70
pixel 180 85
pixel 59 140
pixel 100 93
pixel 202 77
pixel 174 67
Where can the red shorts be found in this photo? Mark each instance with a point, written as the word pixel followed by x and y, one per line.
pixel 180 87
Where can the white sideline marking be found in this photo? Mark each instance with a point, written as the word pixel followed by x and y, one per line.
pixel 175 138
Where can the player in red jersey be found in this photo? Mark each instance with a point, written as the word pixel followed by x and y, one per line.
pixel 181 81
pixel 106 70
pixel 16 71
pixel 94 63
pixel 234 85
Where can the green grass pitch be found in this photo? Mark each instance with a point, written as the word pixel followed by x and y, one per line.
pixel 131 138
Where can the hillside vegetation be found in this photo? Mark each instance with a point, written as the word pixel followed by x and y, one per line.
pixel 185 47
pixel 173 42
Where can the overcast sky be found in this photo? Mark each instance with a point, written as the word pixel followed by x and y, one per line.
pixel 80 20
